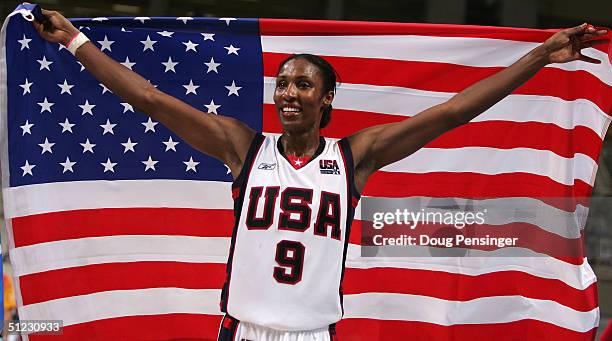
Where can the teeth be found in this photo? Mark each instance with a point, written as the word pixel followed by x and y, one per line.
pixel 291 109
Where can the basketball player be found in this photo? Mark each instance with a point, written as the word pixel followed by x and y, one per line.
pixel 295 194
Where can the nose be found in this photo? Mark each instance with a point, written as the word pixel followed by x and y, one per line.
pixel 290 92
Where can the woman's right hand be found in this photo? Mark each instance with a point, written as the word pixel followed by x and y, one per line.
pixel 56 29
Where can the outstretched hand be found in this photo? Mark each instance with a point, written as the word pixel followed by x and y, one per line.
pixel 56 29
pixel 566 45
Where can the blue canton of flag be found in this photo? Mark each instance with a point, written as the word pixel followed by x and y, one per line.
pixel 71 127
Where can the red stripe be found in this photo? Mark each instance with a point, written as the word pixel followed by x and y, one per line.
pixel 89 279
pixel 55 226
pixel 476 134
pixel 459 287
pixel 183 327
pixel 292 27
pixel 478 186
pixel 524 330
pixel 443 77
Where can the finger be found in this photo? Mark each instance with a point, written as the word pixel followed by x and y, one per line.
pixel 577 29
pixel 586 44
pixel 589 59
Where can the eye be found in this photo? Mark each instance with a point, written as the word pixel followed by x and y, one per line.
pixel 281 84
pixel 304 85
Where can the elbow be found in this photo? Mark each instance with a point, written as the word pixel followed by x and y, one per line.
pixel 455 116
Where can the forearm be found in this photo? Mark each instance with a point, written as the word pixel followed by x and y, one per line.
pixel 480 96
pixel 123 82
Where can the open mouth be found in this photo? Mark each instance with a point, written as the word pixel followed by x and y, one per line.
pixel 290 111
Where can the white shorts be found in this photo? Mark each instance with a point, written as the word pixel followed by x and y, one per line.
pixel 234 330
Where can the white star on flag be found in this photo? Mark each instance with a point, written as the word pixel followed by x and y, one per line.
pixel 212 107
pixel 82 67
pixel 26 87
pixel 169 65
pixel 87 108
pixel 100 19
pixel 45 105
pixel 67 165
pixel 108 165
pixel 165 33
pixel 148 44
pixel 127 63
pixel 231 49
pixel 190 46
pixel 105 44
pixel 170 145
pixel 233 89
pixel 212 66
pixel 26 128
pixel 108 127
pixel 228 169
pixel 27 168
pixel 191 88
pixel 104 89
pixel 208 36
pixel 66 126
pixel 24 43
pixel 44 63
pixel 124 30
pixel 129 146
pixel 46 146
pixel 65 87
pixel 184 19
pixel 142 19
pixel 127 107
pixel 149 163
pixel 191 165
pixel 227 20
pixel 87 146
pixel 149 125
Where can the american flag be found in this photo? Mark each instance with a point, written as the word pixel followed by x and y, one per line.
pixel 121 230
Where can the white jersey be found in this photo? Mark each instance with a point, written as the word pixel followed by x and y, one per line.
pixel 290 237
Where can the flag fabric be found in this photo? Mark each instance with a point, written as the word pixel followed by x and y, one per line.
pixel 121 230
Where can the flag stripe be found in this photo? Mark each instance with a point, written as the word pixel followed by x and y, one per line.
pixel 482 134
pixel 474 185
pixel 479 52
pixel 123 249
pixel 480 310
pixel 90 279
pixel 112 304
pixel 184 327
pixel 361 329
pixel 459 287
pixel 445 77
pixel 64 225
pixel 514 108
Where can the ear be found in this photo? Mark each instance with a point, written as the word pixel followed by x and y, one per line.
pixel 328 98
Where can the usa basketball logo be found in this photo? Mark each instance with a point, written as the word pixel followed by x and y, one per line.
pixel 329 167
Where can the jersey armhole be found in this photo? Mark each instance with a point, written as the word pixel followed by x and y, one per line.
pixel 345 148
pixel 248 162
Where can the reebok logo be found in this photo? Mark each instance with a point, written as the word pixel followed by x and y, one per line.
pixel 266 166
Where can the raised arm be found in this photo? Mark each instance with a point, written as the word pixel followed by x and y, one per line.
pixel 222 137
pixel 377 146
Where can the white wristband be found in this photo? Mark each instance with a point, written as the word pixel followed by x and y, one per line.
pixel 76 42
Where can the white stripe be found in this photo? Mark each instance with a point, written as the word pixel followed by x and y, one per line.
pixel 154 301
pixel 514 108
pixel 117 249
pixel 112 249
pixel 109 304
pixel 497 309
pixel 44 198
pixel 481 52
pixel 485 160
pixel 497 211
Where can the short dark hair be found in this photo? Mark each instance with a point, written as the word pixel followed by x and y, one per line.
pixel 330 77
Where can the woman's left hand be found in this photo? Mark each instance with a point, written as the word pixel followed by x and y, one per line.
pixel 566 45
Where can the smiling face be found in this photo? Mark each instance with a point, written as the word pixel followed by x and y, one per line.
pixel 300 96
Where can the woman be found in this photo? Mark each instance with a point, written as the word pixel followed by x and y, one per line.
pixel 295 194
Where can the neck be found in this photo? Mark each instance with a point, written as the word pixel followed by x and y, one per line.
pixel 300 144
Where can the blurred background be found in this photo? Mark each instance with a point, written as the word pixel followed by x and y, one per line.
pixel 514 13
